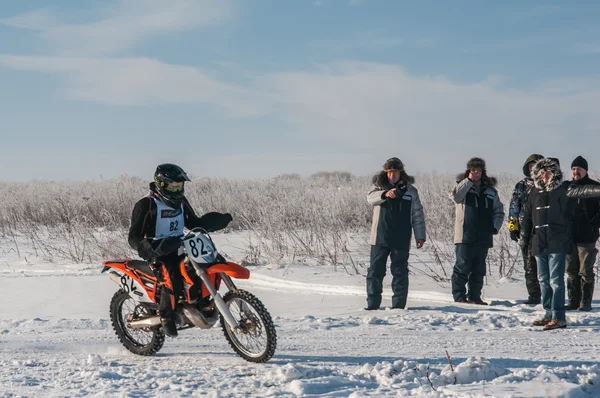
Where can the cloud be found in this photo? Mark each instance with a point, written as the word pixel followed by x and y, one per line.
pixel 383 108
pixel 363 109
pixel 123 26
pixel 140 81
pixel 42 19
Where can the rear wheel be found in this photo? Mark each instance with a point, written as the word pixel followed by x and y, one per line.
pixel 256 341
pixel 146 341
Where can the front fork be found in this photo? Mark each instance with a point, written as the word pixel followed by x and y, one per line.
pixel 219 302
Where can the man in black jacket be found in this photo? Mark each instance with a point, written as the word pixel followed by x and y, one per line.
pixel 157 224
pixel 585 222
pixel 546 226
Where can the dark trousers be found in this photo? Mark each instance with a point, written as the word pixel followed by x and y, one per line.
pixel 469 270
pixel 171 284
pixel 580 274
pixel 376 273
pixel 531 275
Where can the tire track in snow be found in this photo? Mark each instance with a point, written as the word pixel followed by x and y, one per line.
pixel 275 284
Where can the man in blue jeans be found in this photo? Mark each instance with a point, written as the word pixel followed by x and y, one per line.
pixel 546 226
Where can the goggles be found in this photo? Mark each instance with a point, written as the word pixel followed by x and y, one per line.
pixel 174 186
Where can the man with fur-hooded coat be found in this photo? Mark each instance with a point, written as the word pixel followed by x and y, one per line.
pixel 515 217
pixel 397 212
pixel 479 216
pixel 546 226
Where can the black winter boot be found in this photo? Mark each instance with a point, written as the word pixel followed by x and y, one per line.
pixel 573 292
pixel 588 292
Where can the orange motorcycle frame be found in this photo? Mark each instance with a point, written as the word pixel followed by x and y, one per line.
pixel 150 284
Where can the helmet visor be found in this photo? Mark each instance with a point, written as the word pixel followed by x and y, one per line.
pixel 174 186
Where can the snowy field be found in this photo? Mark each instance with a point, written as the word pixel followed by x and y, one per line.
pixel 56 340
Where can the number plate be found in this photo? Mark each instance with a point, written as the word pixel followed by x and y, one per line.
pixel 200 248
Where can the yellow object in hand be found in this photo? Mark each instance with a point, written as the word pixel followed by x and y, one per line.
pixel 513 223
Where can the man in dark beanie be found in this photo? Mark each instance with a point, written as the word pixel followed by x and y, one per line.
pixel 580 162
pixel 585 223
pixel 479 216
pixel 515 218
pixel 397 212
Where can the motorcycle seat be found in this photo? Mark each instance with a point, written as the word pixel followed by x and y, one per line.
pixel 141 265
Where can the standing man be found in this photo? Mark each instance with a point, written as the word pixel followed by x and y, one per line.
pixel 515 221
pixel 546 228
pixel 397 212
pixel 585 222
pixel 479 216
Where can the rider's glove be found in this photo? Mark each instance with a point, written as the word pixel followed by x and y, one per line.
pixel 146 251
pixel 168 245
pixel 214 221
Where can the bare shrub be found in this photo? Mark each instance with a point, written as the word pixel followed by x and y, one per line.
pixel 289 218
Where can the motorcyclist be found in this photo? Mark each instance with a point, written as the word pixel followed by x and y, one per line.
pixel 157 223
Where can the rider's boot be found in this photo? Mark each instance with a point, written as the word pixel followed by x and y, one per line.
pixel 168 326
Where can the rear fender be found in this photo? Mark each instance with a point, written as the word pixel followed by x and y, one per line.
pixel 129 280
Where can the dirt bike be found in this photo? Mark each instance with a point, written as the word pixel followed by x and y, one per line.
pixel 245 321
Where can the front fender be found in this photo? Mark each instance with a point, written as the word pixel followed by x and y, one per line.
pixel 232 269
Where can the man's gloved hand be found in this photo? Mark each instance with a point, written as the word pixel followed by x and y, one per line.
pixel 214 221
pixel 513 223
pixel 515 235
pixel 146 251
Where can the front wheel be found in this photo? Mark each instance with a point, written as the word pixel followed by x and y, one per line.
pixel 256 341
pixel 146 341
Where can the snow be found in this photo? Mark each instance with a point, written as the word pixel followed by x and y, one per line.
pixel 56 340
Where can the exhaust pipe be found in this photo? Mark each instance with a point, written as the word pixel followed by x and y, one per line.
pixel 144 323
pixel 116 278
pixel 198 319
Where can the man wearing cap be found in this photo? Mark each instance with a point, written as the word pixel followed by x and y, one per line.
pixel 397 212
pixel 585 222
pixel 479 216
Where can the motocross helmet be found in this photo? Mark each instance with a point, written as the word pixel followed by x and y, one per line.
pixel 169 181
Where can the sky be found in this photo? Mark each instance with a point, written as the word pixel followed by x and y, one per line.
pixel 253 89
